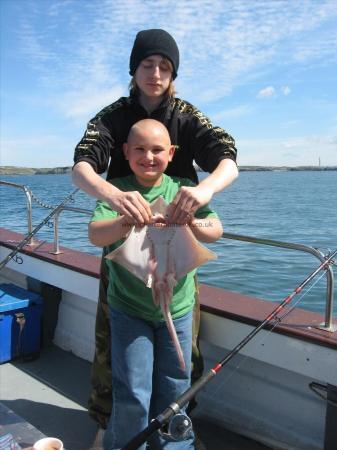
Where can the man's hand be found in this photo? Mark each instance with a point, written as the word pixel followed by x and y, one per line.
pixel 187 201
pixel 132 205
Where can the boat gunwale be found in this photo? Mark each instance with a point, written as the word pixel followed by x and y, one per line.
pixel 301 323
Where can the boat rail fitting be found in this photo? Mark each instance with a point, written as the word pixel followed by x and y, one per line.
pixel 28 194
pixel 327 325
pixel 56 250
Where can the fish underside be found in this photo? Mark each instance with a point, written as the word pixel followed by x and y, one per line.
pixel 160 256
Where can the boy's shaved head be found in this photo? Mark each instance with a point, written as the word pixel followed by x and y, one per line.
pixel 149 151
pixel 156 129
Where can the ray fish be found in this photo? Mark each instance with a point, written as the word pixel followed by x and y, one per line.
pixel 160 256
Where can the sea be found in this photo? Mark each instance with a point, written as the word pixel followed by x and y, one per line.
pixel 287 206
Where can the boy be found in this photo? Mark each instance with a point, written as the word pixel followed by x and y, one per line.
pixel 146 376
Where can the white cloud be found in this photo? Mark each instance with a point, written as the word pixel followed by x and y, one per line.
pixel 222 44
pixel 267 92
pixel 82 106
pixel 233 113
pixel 271 92
pixel 286 90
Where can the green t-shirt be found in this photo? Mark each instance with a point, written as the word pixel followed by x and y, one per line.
pixel 126 292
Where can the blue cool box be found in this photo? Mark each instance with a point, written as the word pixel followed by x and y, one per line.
pixel 20 322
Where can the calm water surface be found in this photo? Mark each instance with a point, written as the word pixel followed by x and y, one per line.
pixel 297 207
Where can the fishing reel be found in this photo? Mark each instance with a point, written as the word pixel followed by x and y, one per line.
pixel 178 428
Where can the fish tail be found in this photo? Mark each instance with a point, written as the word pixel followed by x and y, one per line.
pixel 174 337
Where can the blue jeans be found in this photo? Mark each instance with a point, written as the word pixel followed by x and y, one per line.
pixel 146 377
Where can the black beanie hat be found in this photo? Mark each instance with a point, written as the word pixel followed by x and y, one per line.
pixel 153 42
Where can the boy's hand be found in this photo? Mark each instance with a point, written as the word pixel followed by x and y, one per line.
pixel 132 206
pixel 187 201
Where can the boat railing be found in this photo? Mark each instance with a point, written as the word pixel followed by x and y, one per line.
pixel 57 250
pixel 327 325
pixel 28 194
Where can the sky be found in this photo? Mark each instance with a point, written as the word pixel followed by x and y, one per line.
pixel 265 70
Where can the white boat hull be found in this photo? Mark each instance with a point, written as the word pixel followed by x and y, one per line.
pixel 263 393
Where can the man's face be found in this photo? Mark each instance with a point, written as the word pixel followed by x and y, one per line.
pixel 153 76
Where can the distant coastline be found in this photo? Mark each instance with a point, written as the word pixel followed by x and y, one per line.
pixel 285 168
pixel 14 170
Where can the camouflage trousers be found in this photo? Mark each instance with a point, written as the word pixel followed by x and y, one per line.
pixel 100 400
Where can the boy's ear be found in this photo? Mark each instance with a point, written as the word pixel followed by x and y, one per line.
pixel 171 152
pixel 125 150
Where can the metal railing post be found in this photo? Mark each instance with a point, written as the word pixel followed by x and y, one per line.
pixel 327 325
pixel 28 195
pixel 56 250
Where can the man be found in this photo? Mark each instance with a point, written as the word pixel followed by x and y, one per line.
pixel 154 63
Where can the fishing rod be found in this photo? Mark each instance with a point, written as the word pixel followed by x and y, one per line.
pixel 36 229
pixel 182 425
